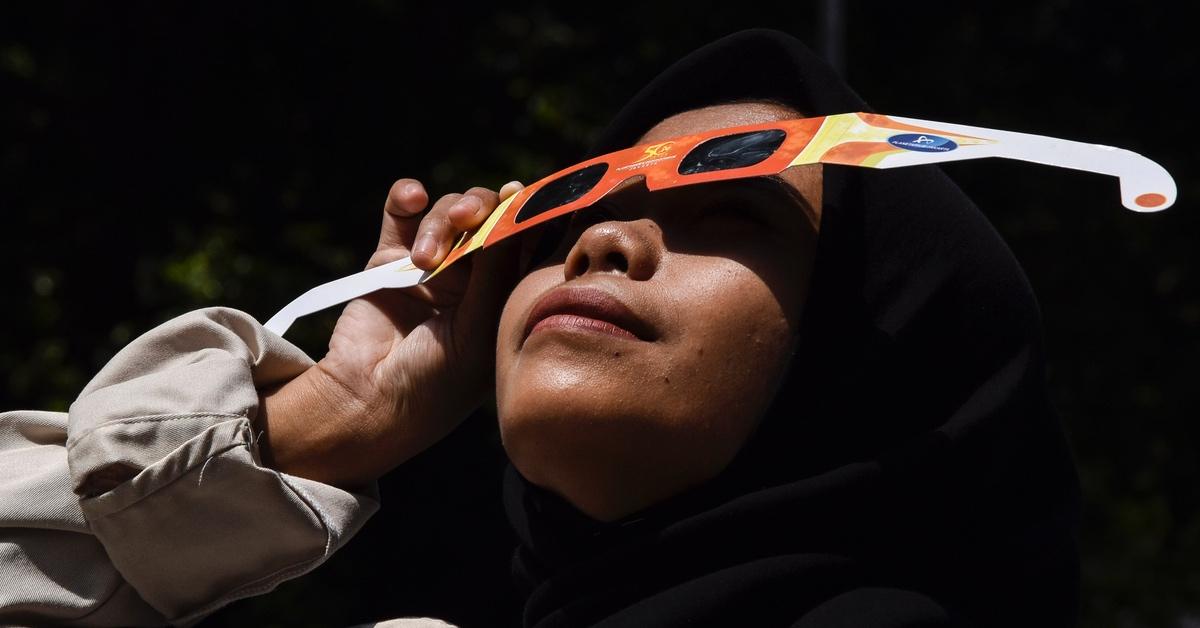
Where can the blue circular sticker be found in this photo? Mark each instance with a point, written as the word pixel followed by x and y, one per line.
pixel 924 143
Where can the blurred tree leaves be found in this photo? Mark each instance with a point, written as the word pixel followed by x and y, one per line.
pixel 156 158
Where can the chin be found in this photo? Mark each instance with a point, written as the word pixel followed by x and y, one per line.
pixel 595 439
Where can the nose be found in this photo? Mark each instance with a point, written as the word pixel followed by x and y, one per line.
pixel 632 248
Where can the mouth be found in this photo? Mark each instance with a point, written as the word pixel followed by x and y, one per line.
pixel 586 310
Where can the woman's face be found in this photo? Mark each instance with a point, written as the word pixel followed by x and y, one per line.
pixel 636 362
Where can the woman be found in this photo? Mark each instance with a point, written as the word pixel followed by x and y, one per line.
pixel 699 433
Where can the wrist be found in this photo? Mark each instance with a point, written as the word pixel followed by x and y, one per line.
pixel 305 423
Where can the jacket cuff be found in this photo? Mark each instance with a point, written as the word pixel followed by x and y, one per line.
pixel 193 520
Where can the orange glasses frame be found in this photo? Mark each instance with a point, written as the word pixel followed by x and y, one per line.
pixel 657 162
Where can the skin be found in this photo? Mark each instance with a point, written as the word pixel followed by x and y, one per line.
pixel 715 274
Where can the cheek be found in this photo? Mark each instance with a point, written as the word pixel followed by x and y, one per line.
pixel 735 341
pixel 508 337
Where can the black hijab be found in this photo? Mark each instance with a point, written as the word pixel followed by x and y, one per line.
pixel 911 472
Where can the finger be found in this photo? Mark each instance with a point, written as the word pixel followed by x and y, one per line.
pixel 510 188
pixel 451 216
pixel 406 199
pixel 473 208
pixel 494 272
pixel 433 239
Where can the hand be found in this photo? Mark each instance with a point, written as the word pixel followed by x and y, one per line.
pixel 404 367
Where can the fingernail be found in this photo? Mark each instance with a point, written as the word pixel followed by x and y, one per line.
pixel 426 246
pixel 412 189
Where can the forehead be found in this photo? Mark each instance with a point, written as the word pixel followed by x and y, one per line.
pixel 716 117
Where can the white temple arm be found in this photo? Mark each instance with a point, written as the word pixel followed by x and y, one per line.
pixel 398 274
pixel 1145 185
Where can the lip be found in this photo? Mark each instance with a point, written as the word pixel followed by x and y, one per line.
pixel 588 310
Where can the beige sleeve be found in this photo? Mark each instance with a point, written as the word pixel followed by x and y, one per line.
pixel 147 503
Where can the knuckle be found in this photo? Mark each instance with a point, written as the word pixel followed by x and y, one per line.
pixel 434 223
pixel 462 219
pixel 444 204
pixel 488 198
pixel 481 192
pixel 468 202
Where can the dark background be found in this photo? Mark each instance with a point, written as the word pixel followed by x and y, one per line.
pixel 156 158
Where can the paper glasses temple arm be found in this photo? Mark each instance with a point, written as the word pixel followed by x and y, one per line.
pixel 875 141
pixel 398 274
pixel 1145 185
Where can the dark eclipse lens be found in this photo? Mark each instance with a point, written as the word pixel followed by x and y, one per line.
pixel 732 151
pixel 563 190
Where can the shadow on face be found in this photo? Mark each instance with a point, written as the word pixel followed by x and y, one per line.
pixel 635 363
